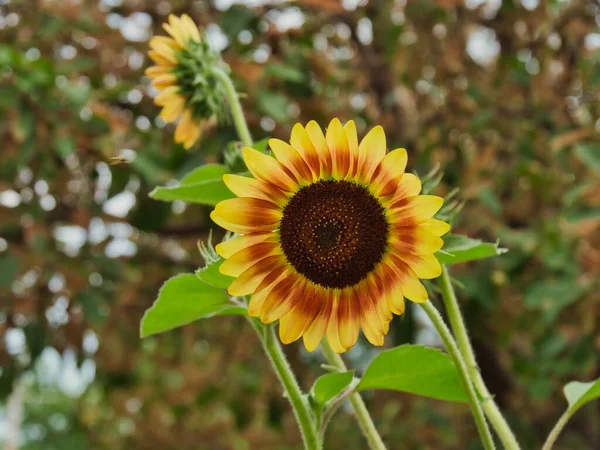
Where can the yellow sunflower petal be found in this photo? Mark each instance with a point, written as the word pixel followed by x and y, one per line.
pixel 395 300
pixel 268 169
pixel 227 248
pixel 246 258
pixel 415 241
pixel 425 267
pixel 158 58
pixel 368 307
pixel 411 287
pixel 190 27
pixel 304 146
pixel 165 47
pixel 291 159
pixel 348 316
pixel 415 210
pixel 408 186
pixel 338 146
pixel 192 135
pixel 316 330
pixel 282 298
pixel 157 71
pixel 392 291
pixel 163 81
pixel 293 324
pixel 333 327
pixel 436 226
pixel 245 215
pixel 251 187
pixel 184 127
pixel 251 278
pixel 377 290
pixel 371 151
pixel 388 173
pixel 167 95
pixel 320 144
pixel 371 333
pixel 264 289
pixel 352 137
pixel 173 108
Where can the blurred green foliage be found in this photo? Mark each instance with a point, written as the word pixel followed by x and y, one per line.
pixel 504 96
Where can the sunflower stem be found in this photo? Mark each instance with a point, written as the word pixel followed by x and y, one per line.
pixel 360 409
pixel 235 107
pixel 551 440
pixel 457 324
pixel 285 374
pixel 452 348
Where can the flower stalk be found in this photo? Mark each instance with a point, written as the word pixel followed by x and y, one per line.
pixel 553 436
pixel 293 393
pixel 362 413
pixel 452 348
pixel 457 324
pixel 235 107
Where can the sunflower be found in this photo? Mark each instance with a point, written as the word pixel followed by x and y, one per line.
pixel 334 235
pixel 188 91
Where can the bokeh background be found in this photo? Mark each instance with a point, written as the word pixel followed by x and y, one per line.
pixel 504 96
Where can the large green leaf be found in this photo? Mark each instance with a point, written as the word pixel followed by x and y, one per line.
pixel 211 275
pixel 578 394
pixel 331 385
pixel 416 369
pixel 458 248
pixel 184 299
pixel 203 185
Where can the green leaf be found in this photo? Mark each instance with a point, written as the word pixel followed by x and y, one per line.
pixel 211 275
pixel 204 173
pixel 203 185
pixel 182 300
pixel 458 248
pixel 416 369
pixel 331 385
pixel 578 394
pixel 589 154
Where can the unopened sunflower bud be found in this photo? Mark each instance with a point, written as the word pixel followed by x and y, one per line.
pixel 189 92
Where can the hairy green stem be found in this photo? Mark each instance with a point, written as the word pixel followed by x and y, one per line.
pixel 362 413
pixel 293 393
pixel 235 107
pixel 452 348
pixel 459 329
pixel 556 430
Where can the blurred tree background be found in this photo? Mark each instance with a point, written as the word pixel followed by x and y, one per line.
pixel 504 96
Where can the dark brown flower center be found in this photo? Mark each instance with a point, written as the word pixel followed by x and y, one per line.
pixel 334 233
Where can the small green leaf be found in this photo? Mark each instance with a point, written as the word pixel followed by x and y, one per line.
pixel 331 385
pixel 211 275
pixel 203 185
pixel 589 154
pixel 416 369
pixel 207 172
pixel 578 394
pixel 458 248
pixel 182 300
